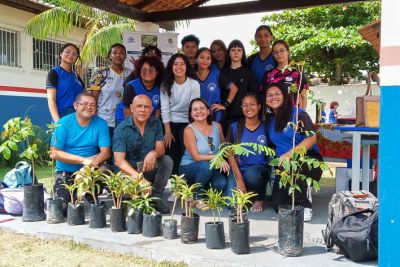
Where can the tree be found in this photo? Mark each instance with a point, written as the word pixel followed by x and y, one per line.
pixel 327 38
pixel 102 28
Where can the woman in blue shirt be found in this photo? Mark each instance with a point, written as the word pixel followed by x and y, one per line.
pixel 333 114
pixel 202 138
pixel 63 84
pixel 249 173
pixel 281 112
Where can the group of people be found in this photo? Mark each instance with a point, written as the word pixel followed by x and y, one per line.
pixel 162 120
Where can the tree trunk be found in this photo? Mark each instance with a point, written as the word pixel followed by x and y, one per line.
pixel 338 71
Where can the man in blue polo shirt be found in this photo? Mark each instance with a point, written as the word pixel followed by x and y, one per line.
pixel 138 146
pixel 80 138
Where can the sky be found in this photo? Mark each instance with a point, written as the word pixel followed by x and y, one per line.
pixel 226 28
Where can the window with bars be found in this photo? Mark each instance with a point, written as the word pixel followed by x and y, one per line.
pixel 9 48
pixel 45 54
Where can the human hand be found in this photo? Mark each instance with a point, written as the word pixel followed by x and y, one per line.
pixel 224 167
pixel 217 107
pixel 168 138
pixel 149 162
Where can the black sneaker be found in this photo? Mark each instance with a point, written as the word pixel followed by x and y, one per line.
pixel 160 207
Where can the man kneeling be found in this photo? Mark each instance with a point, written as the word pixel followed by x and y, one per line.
pixel 138 146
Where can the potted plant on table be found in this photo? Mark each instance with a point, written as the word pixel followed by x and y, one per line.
pixel 189 219
pixel 170 225
pixel 21 131
pixel 118 184
pixel 151 218
pixel 215 235
pixel 90 177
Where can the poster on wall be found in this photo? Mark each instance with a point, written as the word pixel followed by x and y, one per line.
pixel 136 41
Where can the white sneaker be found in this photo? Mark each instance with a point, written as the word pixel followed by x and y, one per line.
pixel 307 214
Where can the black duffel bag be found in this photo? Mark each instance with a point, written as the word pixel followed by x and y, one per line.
pixel 356 235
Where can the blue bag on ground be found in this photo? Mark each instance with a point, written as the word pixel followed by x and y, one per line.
pixel 19 176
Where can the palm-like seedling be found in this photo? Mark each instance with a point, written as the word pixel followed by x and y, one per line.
pixel 118 184
pixel 187 197
pixel 147 204
pixel 215 201
pixel 241 201
pixel 71 189
pixel 89 178
pixel 177 181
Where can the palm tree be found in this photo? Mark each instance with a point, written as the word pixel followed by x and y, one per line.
pixel 102 28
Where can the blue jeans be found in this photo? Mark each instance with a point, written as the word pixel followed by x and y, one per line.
pixel 199 172
pixel 255 178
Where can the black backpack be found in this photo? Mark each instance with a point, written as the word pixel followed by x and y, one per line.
pixel 356 235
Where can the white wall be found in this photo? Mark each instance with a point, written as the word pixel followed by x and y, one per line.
pixel 345 95
pixel 26 76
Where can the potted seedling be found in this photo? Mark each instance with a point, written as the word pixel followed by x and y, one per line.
pixel 135 189
pixel 215 235
pixel 170 226
pixel 151 218
pixel 291 217
pixel 118 184
pixel 76 209
pixel 90 177
pixel 21 131
pixel 54 204
pixel 239 226
pixel 189 219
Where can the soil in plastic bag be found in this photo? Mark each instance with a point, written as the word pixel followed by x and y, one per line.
pixel 215 236
pixel 117 220
pixel 189 228
pixel 239 236
pixel 290 231
pixel 76 214
pixel 55 210
pixel 33 203
pixel 97 216
pixel 151 225
pixel 135 222
pixel 170 229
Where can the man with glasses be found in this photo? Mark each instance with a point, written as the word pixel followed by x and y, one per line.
pixel 79 139
pixel 138 146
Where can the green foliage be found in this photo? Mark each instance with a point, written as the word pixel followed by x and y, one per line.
pixel 327 38
pixel 241 149
pixel 241 201
pixel 215 201
pixel 177 181
pixel 89 178
pixel 135 189
pixel 148 204
pixel 119 185
pixel 187 197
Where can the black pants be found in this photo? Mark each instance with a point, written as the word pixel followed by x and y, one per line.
pixel 160 175
pixel 177 147
pixel 280 196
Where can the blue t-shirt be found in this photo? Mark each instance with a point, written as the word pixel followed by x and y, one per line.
pixel 332 116
pixel 260 67
pixel 132 89
pixel 203 144
pixel 68 86
pixel 210 88
pixel 86 141
pixel 256 136
pixel 323 116
pixel 283 140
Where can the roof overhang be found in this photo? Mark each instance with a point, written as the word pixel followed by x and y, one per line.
pixel 372 33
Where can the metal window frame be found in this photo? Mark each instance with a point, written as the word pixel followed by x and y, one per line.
pixel 45 54
pixel 10 48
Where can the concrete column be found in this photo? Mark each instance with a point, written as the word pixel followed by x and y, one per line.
pixel 389 143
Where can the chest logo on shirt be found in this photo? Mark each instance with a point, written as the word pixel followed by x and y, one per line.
pixel 262 140
pixel 288 79
pixel 268 67
pixel 212 87
pixel 155 99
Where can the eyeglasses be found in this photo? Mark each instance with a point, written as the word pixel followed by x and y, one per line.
pixel 269 96
pixel 210 144
pixel 69 52
pixel 86 104
pixel 149 70
pixel 281 51
pixel 251 105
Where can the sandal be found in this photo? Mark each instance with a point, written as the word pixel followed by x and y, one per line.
pixel 199 204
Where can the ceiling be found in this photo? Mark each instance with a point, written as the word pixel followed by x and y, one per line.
pixel 372 33
pixel 172 10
